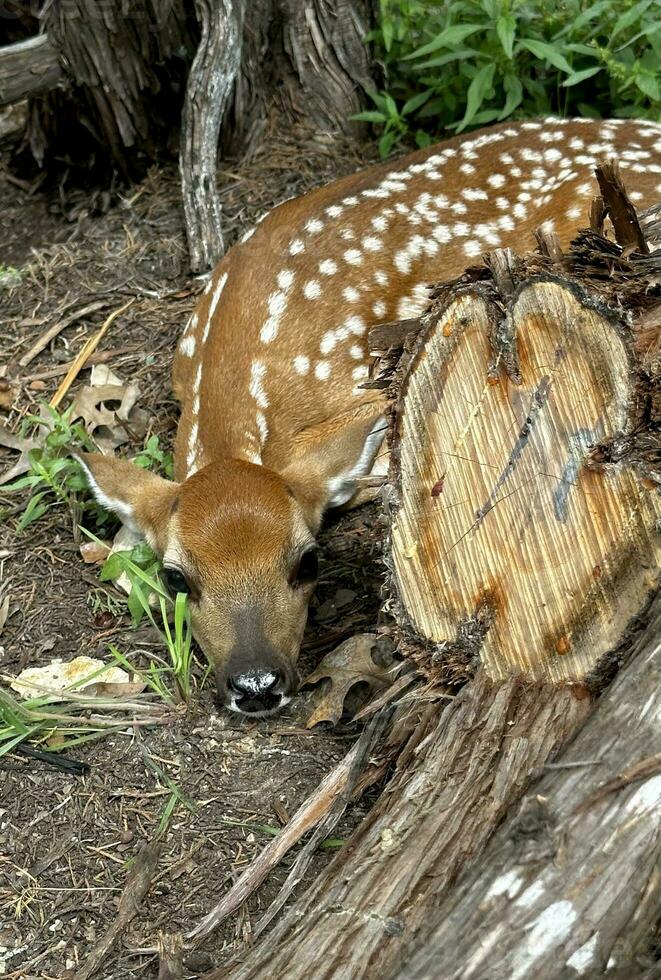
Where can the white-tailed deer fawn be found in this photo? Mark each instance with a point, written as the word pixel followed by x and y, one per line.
pixel 275 426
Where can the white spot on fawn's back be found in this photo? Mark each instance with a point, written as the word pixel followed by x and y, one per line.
pixel 257 374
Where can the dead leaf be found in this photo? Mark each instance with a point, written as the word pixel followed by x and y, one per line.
pixel 349 664
pixel 109 426
pixel 94 552
pixel 9 440
pixel 58 677
pixel 127 689
pixel 7 395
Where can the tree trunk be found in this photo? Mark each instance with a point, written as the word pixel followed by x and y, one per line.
pixel 573 878
pixel 27 67
pixel 472 763
pixel 209 85
pixel 126 66
pixel 530 596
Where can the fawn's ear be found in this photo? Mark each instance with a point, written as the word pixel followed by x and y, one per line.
pixel 143 501
pixel 325 473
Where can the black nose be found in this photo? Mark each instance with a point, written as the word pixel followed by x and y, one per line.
pixel 256 690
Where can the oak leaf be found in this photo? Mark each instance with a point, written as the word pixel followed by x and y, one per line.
pixel 349 664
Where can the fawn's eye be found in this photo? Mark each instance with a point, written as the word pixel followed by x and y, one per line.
pixel 175 581
pixel 307 570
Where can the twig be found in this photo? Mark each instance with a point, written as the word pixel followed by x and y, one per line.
pixel 170 956
pixel 57 328
pixel 88 348
pixel 620 209
pixel 368 739
pixel 135 889
pixel 310 813
pixel 100 357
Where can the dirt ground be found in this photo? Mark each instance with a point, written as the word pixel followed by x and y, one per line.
pixel 67 841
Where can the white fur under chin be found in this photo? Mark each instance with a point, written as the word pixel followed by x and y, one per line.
pixel 233 706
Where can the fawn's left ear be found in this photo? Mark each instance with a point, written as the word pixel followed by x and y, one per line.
pixel 142 500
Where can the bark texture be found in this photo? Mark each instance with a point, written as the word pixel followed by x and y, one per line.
pixel 28 67
pixel 209 85
pixel 571 884
pixel 473 760
pixel 126 64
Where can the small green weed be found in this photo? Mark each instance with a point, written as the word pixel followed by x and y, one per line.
pixel 173 624
pixel 58 727
pixel 466 63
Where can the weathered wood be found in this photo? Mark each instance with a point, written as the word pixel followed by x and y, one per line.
pixel 210 82
pixel 329 60
pixel 619 208
pixel 28 67
pixel 125 65
pixel 472 761
pixel 503 533
pixel 571 884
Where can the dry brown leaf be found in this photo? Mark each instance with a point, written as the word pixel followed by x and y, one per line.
pixel 349 664
pixel 109 426
pixel 109 690
pixel 94 552
pixel 9 440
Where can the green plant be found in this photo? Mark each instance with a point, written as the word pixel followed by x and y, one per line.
pixel 142 569
pixel 54 475
pixel 58 727
pixel 152 457
pixel 464 63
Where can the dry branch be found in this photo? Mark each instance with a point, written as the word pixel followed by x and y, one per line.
pixel 135 889
pixel 209 85
pixel 28 67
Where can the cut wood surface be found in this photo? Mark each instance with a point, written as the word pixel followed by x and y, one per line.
pixel 571 884
pixel 28 67
pixel 502 519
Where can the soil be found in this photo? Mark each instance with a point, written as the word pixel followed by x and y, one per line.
pixel 67 841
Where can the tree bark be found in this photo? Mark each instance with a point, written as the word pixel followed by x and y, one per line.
pixel 209 85
pixel 28 67
pixel 571 883
pixel 126 67
pixel 472 762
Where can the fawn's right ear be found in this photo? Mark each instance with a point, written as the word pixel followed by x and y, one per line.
pixel 142 500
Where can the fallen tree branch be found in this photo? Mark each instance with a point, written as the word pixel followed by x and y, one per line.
pixel 135 889
pixel 28 67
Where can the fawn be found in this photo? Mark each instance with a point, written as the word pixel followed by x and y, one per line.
pixel 276 426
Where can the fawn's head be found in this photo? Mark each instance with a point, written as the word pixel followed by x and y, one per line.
pixel 239 541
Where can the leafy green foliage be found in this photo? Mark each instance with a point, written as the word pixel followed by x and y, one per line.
pixel 54 474
pixel 465 63
pixel 147 595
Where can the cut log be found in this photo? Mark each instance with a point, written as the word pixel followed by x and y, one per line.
pixel 529 586
pixel 571 884
pixel 507 539
pixel 26 68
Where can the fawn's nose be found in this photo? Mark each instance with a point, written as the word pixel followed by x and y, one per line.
pixel 256 690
